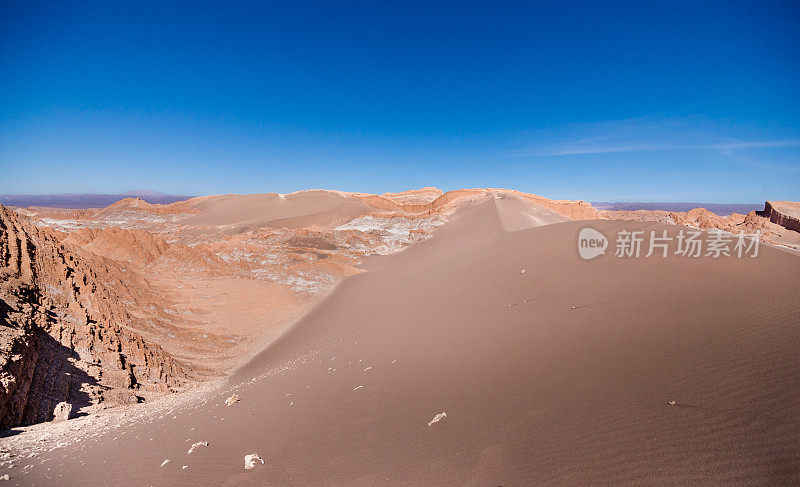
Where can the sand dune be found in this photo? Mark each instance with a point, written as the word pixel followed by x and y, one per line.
pixel 518 214
pixel 245 212
pixel 431 201
pixel 648 371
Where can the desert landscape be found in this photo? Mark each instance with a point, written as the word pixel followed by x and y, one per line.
pixel 315 243
pixel 363 339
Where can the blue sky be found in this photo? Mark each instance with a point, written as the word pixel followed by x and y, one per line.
pixel 601 101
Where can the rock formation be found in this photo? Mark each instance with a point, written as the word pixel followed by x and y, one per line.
pixel 784 213
pixel 766 222
pixel 62 411
pixel 66 331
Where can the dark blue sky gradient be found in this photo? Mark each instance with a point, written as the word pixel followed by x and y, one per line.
pixel 684 101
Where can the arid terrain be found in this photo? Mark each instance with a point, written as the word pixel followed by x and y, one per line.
pixel 422 337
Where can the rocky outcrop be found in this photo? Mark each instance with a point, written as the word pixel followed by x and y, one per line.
pixel 784 213
pixel 704 219
pixel 134 246
pixel 140 205
pixel 66 334
pixel 572 209
pixel 18 355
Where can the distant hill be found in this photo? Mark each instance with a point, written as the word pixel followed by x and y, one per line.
pixel 85 200
pixel 721 209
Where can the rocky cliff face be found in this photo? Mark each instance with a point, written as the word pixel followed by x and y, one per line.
pixel 784 213
pixel 65 331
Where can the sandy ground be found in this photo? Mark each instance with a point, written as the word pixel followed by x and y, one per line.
pixel 516 214
pixel 296 210
pixel 232 318
pixel 446 364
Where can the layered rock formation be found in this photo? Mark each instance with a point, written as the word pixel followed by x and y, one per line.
pixel 784 213
pixel 66 333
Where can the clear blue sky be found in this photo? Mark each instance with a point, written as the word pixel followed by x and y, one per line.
pixel 602 101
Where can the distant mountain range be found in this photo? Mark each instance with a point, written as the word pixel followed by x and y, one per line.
pixel 85 200
pixel 101 200
pixel 721 209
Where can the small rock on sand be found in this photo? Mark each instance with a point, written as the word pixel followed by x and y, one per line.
pixel 165 462
pixel 250 460
pixel 438 418
pixel 199 443
pixel 672 403
pixel 62 411
pixel 232 400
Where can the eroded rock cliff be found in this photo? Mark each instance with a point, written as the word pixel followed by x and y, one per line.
pixel 784 213
pixel 65 331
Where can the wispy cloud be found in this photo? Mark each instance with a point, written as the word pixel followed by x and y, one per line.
pixel 653 135
pixel 578 148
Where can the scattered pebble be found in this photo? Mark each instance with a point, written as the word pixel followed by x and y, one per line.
pixel 250 460
pixel 165 462
pixel 368 368
pixel 199 443
pixel 358 387
pixel 672 403
pixel 232 400
pixel 522 271
pixel 438 418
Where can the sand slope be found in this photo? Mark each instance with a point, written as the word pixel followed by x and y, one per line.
pixel 302 209
pixel 561 374
pixel 519 214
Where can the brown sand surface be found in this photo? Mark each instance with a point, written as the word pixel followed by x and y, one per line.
pixel 518 214
pixel 562 374
pixel 230 318
pixel 302 209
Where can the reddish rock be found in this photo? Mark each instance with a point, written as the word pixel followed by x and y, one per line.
pixel 67 335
